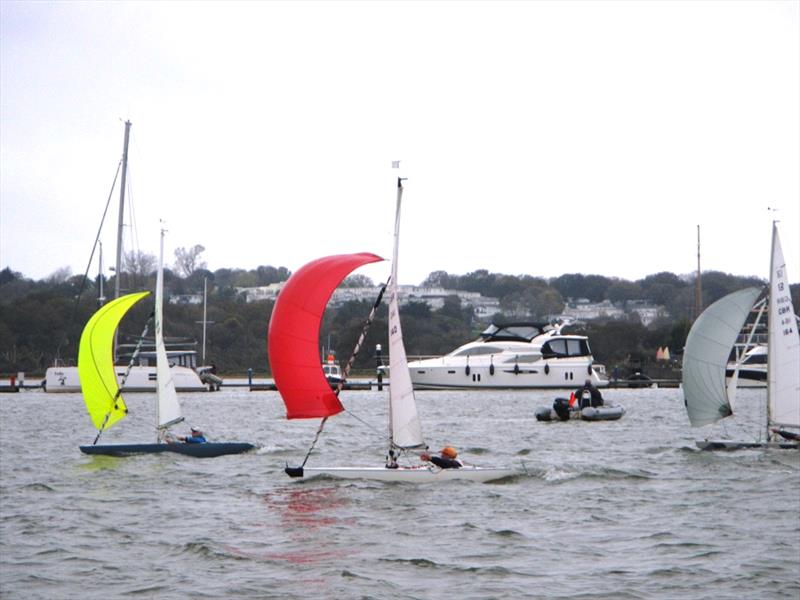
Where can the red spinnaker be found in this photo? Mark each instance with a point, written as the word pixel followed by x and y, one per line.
pixel 293 338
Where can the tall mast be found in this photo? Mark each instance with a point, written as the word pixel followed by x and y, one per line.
pixel 121 208
pixel 205 320
pixel 772 319
pixel 118 265
pixel 698 291
pixel 101 299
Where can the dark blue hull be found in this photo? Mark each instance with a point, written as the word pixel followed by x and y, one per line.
pixel 207 450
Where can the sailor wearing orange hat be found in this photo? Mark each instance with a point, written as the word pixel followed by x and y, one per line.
pixel 447 458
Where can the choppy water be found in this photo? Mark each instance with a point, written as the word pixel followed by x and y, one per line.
pixel 625 509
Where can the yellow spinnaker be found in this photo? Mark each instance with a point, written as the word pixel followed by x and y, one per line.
pixel 96 362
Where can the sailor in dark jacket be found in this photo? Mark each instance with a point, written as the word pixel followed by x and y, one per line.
pixel 197 437
pixel 446 459
pixel 589 395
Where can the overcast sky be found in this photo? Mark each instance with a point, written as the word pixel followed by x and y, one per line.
pixel 537 138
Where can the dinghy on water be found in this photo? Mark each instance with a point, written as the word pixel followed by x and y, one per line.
pixel 292 340
pixel 708 347
pixel 565 409
pixel 101 391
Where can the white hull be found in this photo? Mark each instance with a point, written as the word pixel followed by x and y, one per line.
pixel 560 374
pixel 411 474
pixel 140 379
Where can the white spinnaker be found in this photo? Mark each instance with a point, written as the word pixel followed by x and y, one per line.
pixel 404 422
pixel 705 357
pixel 783 354
pixel 168 409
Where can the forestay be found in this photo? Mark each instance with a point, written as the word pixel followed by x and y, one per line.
pixel 784 345
pixel 293 338
pixel 708 347
pixel 96 362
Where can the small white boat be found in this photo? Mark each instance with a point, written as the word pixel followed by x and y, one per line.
pixel 293 334
pixel 420 474
pixel 707 395
pixel 332 370
pixel 512 356
pixel 103 398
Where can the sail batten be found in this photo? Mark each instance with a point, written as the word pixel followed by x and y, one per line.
pixel 708 347
pixel 96 370
pixel 293 337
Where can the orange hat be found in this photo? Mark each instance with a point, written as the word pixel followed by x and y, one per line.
pixel 449 452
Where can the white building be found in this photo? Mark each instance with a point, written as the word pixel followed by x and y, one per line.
pixel 484 306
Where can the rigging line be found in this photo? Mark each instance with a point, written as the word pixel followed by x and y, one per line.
pixel 314 443
pixel 361 338
pixel 380 433
pixel 134 356
pixel 89 263
pixel 349 364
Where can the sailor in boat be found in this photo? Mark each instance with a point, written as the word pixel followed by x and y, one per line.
pixel 447 458
pixel 196 437
pixel 588 395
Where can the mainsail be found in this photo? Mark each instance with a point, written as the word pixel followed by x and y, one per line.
pixel 96 362
pixel 168 409
pixel 293 338
pixel 705 357
pixel 783 387
pixel 404 422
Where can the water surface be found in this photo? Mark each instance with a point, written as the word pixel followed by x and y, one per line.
pixel 624 509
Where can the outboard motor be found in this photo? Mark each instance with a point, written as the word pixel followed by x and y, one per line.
pixel 561 408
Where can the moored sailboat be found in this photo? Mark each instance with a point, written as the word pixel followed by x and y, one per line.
pixel 188 377
pixel 292 340
pixel 708 346
pixel 101 390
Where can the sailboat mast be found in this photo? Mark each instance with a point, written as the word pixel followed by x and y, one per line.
pixel 393 288
pixel 120 224
pixel 205 320
pixel 698 291
pixel 121 219
pixel 771 329
pixel 101 299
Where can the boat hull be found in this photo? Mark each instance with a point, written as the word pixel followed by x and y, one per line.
pixel 567 375
pixel 602 413
pixel 590 413
pixel 206 450
pixel 410 474
pixel 734 445
pixel 140 379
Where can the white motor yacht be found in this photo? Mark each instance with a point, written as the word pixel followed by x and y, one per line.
pixel 752 368
pixel 513 355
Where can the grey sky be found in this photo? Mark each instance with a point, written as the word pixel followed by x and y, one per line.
pixel 538 138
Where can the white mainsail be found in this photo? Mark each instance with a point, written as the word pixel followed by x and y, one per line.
pixel 708 347
pixel 168 409
pixel 783 354
pixel 404 425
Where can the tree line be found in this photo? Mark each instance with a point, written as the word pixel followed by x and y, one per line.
pixel 41 321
